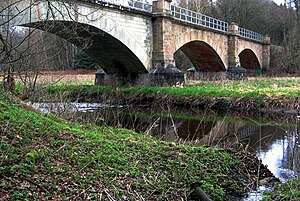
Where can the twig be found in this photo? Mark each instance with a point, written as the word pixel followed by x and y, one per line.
pixel 36 184
pixel 109 196
pixel 60 148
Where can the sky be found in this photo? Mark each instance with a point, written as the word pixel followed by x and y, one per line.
pixel 279 1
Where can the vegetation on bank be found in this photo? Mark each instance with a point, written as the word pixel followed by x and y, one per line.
pixel 44 157
pixel 286 191
pixel 260 88
pixel 253 95
pixel 255 88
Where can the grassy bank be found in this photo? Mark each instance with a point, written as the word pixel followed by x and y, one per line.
pixel 44 157
pixel 252 95
pixel 261 88
pixel 258 88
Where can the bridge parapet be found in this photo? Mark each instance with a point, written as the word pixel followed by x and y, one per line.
pixel 182 14
pixel 250 34
pixel 141 5
pixel 197 18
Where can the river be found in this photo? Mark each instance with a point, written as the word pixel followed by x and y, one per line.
pixel 275 141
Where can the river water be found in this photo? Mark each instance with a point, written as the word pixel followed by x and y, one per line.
pixel 275 141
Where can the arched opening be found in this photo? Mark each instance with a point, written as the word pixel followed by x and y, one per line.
pixel 202 56
pixel 111 54
pixel 248 60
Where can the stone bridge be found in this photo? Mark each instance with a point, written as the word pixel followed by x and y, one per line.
pixel 132 37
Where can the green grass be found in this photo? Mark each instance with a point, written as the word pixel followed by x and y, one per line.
pixel 43 157
pixel 288 88
pixel 258 89
pixel 285 192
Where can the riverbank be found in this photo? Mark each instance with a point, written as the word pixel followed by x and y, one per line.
pixel 279 95
pixel 44 157
pixel 286 191
pixel 261 95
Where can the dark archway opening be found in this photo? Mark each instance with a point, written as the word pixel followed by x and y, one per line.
pixel 201 55
pixel 248 60
pixel 111 54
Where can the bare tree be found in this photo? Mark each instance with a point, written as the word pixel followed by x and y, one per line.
pixel 201 6
pixel 250 14
pixel 21 50
pixel 42 51
pixel 291 56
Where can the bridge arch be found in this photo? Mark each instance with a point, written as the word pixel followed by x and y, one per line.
pixel 213 41
pixel 250 54
pixel 249 60
pixel 203 57
pixel 105 27
pixel 100 45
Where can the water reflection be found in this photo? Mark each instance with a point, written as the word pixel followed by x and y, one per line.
pixel 276 143
pixel 278 148
pixel 71 107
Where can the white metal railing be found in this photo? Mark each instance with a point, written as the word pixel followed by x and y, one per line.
pixel 142 5
pixel 250 34
pixel 193 17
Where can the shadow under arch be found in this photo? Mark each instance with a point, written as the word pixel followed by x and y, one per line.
pixel 202 56
pixel 111 54
pixel 248 60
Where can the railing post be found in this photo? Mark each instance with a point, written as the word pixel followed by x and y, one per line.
pixel 233 28
pixel 233 59
pixel 162 53
pixel 161 7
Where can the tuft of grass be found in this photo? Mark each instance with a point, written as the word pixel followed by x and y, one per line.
pixel 44 157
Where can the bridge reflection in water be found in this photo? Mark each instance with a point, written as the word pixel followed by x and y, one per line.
pixel 276 143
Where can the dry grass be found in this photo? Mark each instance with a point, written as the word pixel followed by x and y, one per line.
pixel 70 77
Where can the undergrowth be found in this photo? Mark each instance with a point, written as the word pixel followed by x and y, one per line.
pixel 43 157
